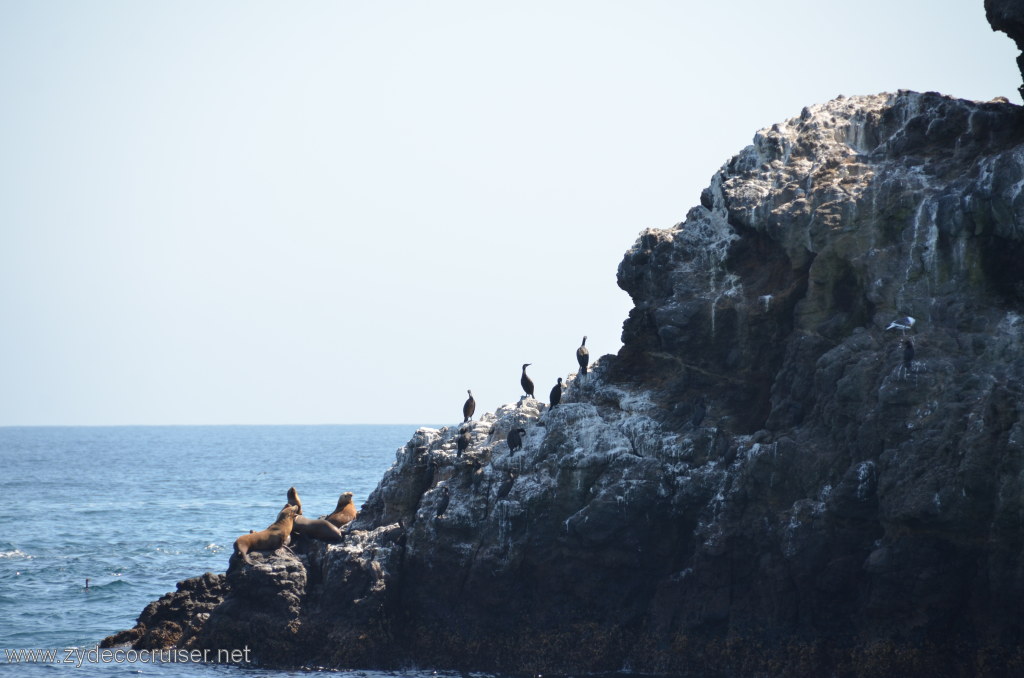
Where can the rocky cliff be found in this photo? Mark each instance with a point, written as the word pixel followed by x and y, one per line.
pixel 1008 16
pixel 761 481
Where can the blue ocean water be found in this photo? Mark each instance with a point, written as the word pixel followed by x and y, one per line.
pixel 137 509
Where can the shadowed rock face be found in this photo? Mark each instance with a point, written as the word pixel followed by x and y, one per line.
pixel 862 500
pixel 756 482
pixel 1008 16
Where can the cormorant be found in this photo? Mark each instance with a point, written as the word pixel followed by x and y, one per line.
pixel 468 408
pixel 446 496
pixel 908 353
pixel 583 356
pixel 556 393
pixel 700 410
pixel 515 439
pixel 506 484
pixel 526 381
pixel 463 443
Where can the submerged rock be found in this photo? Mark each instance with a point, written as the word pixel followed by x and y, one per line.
pixel 756 482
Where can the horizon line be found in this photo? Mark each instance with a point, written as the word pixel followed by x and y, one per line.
pixel 2 426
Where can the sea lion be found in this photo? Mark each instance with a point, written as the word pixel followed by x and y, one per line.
pixel 293 499
pixel 344 512
pixel 270 539
pixel 317 529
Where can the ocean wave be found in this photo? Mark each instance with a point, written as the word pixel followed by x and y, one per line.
pixel 44 562
pixel 16 554
pixel 112 584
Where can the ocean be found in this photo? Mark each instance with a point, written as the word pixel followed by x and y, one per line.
pixel 136 509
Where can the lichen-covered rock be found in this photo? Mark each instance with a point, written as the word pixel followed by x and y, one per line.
pixel 760 481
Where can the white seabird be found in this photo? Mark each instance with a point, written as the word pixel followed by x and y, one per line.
pixel 903 324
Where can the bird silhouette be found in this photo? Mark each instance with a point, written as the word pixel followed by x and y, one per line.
pixel 583 356
pixel 908 353
pixel 556 393
pixel 526 382
pixel 515 439
pixel 506 485
pixel 442 505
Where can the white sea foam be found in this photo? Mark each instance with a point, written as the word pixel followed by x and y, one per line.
pixel 15 554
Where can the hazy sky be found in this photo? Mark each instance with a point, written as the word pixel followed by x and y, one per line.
pixel 350 212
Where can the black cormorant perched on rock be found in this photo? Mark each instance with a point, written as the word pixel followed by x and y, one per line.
pixel 468 408
pixel 442 505
pixel 515 439
pixel 908 353
pixel 526 381
pixel 556 393
pixel 463 442
pixel 506 484
pixel 700 410
pixel 583 356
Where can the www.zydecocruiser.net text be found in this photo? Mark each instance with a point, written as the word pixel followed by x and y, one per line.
pixel 79 656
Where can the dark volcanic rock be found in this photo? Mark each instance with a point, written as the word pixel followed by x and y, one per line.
pixel 1008 16
pixel 756 483
pixel 175 618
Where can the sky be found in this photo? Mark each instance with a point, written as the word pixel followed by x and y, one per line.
pixel 245 212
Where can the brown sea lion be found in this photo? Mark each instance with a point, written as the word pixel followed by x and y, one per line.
pixel 270 539
pixel 344 512
pixel 317 529
pixel 293 499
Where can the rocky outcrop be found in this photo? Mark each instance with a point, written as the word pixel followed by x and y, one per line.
pixel 760 481
pixel 176 617
pixel 1008 16
pixel 867 501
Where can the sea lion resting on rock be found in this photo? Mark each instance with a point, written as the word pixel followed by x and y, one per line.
pixel 344 512
pixel 317 529
pixel 293 499
pixel 270 539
